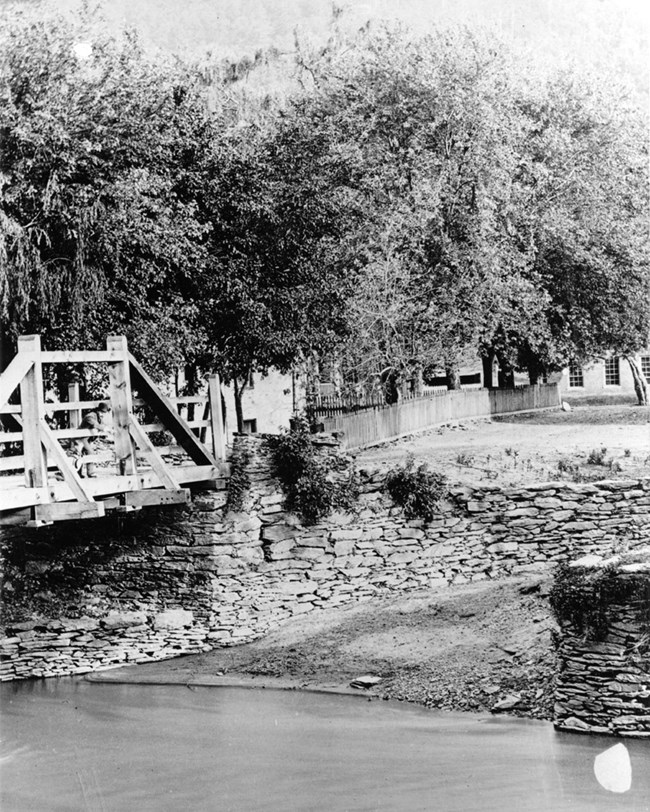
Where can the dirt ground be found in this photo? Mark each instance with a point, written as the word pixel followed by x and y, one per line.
pixel 470 647
pixel 532 447
pixel 482 646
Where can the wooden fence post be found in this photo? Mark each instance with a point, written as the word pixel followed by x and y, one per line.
pixel 33 411
pixel 74 415
pixel 216 417
pixel 122 405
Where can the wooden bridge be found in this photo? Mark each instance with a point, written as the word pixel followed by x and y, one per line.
pixel 42 469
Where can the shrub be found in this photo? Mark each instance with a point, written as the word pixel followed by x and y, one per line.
pixel 584 597
pixel 305 476
pixel 597 456
pixel 418 491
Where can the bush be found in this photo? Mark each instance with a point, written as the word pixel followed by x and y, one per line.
pixel 597 456
pixel 584 597
pixel 305 476
pixel 418 491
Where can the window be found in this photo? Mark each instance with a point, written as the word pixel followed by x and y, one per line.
pixel 645 367
pixel 612 372
pixel 250 426
pixel 576 378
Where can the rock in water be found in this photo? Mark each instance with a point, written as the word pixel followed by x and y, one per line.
pixel 613 769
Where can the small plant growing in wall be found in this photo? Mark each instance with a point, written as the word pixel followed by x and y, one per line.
pixel 416 490
pixel 305 476
pixel 239 482
pixel 585 597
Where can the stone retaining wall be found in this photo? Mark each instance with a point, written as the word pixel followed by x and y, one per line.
pixel 237 576
pixel 604 686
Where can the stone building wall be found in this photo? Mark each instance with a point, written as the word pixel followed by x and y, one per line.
pixel 604 685
pixel 105 592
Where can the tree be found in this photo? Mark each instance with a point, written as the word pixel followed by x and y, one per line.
pixel 585 210
pixel 437 129
pixel 277 282
pixel 101 162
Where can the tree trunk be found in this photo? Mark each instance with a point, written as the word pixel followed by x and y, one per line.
pixel 640 385
pixel 239 412
pixel 506 378
pixel 488 370
pixel 453 376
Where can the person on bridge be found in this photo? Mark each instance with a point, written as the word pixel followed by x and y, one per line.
pixel 86 445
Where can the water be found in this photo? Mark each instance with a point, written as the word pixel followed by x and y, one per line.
pixel 72 745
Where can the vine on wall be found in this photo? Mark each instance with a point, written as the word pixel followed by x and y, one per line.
pixel 306 477
pixel 585 597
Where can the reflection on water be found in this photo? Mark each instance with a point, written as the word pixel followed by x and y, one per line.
pixel 73 745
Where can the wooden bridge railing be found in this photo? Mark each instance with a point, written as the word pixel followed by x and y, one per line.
pixel 45 483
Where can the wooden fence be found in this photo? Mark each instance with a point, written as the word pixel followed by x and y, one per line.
pixel 383 423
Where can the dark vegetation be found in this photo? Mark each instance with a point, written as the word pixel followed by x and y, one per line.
pixel 413 199
pixel 314 483
pixel 584 597
pixel 416 490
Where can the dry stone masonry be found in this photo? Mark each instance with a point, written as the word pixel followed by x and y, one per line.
pixel 604 685
pixel 96 594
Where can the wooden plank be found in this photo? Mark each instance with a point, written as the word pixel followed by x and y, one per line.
pixel 33 412
pixel 14 495
pixel 166 413
pixel 13 375
pixel 66 511
pixel 15 463
pixel 120 388
pixel 10 409
pixel 11 437
pixel 193 424
pixel 67 434
pixel 64 464
pixel 165 496
pixel 189 399
pixel 155 460
pixel 74 418
pixel 80 356
pixel 15 517
pixel 216 417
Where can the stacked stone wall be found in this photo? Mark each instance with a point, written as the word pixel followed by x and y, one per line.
pixel 604 685
pixel 236 576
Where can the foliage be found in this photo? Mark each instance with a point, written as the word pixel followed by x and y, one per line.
pixel 306 477
pixel 597 456
pixel 585 597
pixel 417 490
pixel 239 482
pixel 99 225
pixel 276 288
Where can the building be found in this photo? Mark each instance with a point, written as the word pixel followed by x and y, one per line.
pixel 606 377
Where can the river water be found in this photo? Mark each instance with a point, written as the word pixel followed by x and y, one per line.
pixel 68 744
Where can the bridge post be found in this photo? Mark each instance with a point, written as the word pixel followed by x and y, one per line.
pixel 33 411
pixel 216 418
pixel 121 404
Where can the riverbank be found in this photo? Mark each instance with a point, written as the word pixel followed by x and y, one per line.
pixel 485 646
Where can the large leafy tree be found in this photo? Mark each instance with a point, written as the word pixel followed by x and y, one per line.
pixel 584 185
pixel 101 162
pixel 280 203
pixel 437 129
